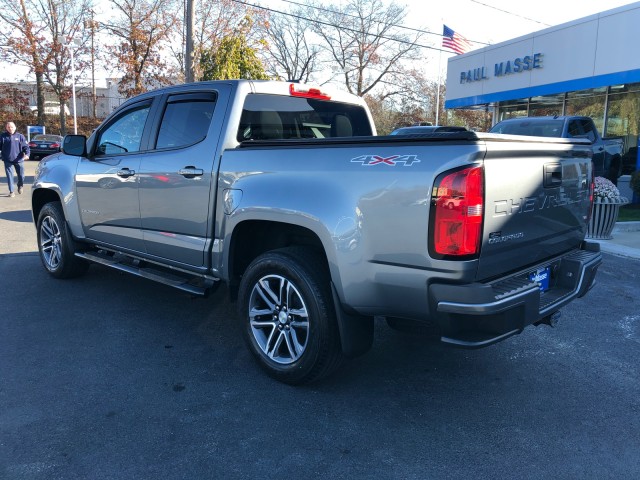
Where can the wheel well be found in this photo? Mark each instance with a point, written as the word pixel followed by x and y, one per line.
pixel 252 238
pixel 40 198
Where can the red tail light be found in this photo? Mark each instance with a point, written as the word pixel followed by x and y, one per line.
pixel 31 145
pixel 457 204
pixel 298 90
pixel 55 145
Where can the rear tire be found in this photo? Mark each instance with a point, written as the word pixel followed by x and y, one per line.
pixel 55 244
pixel 289 320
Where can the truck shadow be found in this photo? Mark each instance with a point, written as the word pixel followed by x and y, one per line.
pixel 23 216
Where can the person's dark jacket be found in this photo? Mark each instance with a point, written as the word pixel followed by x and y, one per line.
pixel 14 147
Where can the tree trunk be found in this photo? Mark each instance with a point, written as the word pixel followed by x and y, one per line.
pixel 40 97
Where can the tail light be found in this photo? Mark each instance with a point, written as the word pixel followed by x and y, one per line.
pixel 306 91
pixel 55 145
pixel 32 145
pixel 457 206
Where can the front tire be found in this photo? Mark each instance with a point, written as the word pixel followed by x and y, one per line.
pixel 55 244
pixel 289 321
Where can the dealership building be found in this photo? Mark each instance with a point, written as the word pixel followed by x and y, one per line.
pixel 590 66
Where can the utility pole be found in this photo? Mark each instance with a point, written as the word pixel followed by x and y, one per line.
pixel 93 68
pixel 190 21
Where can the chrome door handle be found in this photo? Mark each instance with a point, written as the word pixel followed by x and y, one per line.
pixel 125 173
pixel 191 172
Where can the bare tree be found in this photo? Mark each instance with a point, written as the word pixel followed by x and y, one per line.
pixel 23 38
pixel 365 43
pixel 289 54
pixel 65 21
pixel 42 27
pixel 141 29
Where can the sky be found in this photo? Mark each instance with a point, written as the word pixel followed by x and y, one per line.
pixel 494 21
pixel 481 21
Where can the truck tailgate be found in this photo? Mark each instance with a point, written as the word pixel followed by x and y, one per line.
pixel 536 203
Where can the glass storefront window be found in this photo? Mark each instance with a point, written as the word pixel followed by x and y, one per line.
pixel 588 103
pixel 546 106
pixel 623 121
pixel 513 108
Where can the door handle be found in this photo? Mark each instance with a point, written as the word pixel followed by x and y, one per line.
pixel 552 175
pixel 125 173
pixel 191 172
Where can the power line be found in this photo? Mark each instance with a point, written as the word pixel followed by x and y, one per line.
pixel 319 22
pixel 355 16
pixel 510 13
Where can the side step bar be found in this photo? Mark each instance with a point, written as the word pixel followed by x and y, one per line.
pixel 194 284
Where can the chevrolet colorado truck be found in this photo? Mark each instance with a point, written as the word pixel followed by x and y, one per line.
pixel 283 192
pixel 607 152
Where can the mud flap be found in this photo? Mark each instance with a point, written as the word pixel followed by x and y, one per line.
pixel 356 331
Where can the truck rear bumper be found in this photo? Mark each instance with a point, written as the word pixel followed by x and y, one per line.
pixel 478 315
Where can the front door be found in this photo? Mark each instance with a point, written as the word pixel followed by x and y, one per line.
pixel 107 182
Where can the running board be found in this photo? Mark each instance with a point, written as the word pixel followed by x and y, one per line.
pixel 194 284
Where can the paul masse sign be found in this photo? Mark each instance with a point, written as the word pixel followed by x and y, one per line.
pixel 518 65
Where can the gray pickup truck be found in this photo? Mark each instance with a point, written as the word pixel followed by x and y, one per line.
pixel 607 152
pixel 316 225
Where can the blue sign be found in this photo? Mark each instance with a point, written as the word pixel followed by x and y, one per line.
pixel 35 130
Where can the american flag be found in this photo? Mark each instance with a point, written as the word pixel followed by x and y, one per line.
pixel 454 41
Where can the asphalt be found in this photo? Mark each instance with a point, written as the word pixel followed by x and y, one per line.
pixel 625 241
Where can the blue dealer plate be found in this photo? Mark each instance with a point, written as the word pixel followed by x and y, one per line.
pixel 541 276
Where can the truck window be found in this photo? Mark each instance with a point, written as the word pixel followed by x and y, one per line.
pixel 267 117
pixel 185 122
pixel 528 127
pixel 573 129
pixel 588 130
pixel 124 134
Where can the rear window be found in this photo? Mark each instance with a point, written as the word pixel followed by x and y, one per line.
pixel 545 128
pixel 47 138
pixel 270 117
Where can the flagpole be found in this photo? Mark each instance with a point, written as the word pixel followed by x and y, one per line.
pixel 438 89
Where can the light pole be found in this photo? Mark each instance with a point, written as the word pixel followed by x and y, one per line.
pixel 70 46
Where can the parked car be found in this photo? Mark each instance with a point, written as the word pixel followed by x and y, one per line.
pixel 426 129
pixel 42 145
pixel 50 108
pixel 607 152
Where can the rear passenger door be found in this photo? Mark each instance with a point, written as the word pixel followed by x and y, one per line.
pixel 176 177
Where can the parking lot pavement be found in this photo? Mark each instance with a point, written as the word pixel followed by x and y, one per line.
pixel 17 233
pixel 111 376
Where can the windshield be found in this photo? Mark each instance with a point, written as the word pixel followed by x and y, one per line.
pixel 536 128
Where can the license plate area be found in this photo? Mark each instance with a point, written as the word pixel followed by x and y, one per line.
pixel 541 276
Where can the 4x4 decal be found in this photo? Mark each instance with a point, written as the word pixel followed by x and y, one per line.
pixel 393 160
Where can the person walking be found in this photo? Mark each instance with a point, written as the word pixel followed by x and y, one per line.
pixel 15 150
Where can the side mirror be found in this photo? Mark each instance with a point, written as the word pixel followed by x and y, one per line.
pixel 75 145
